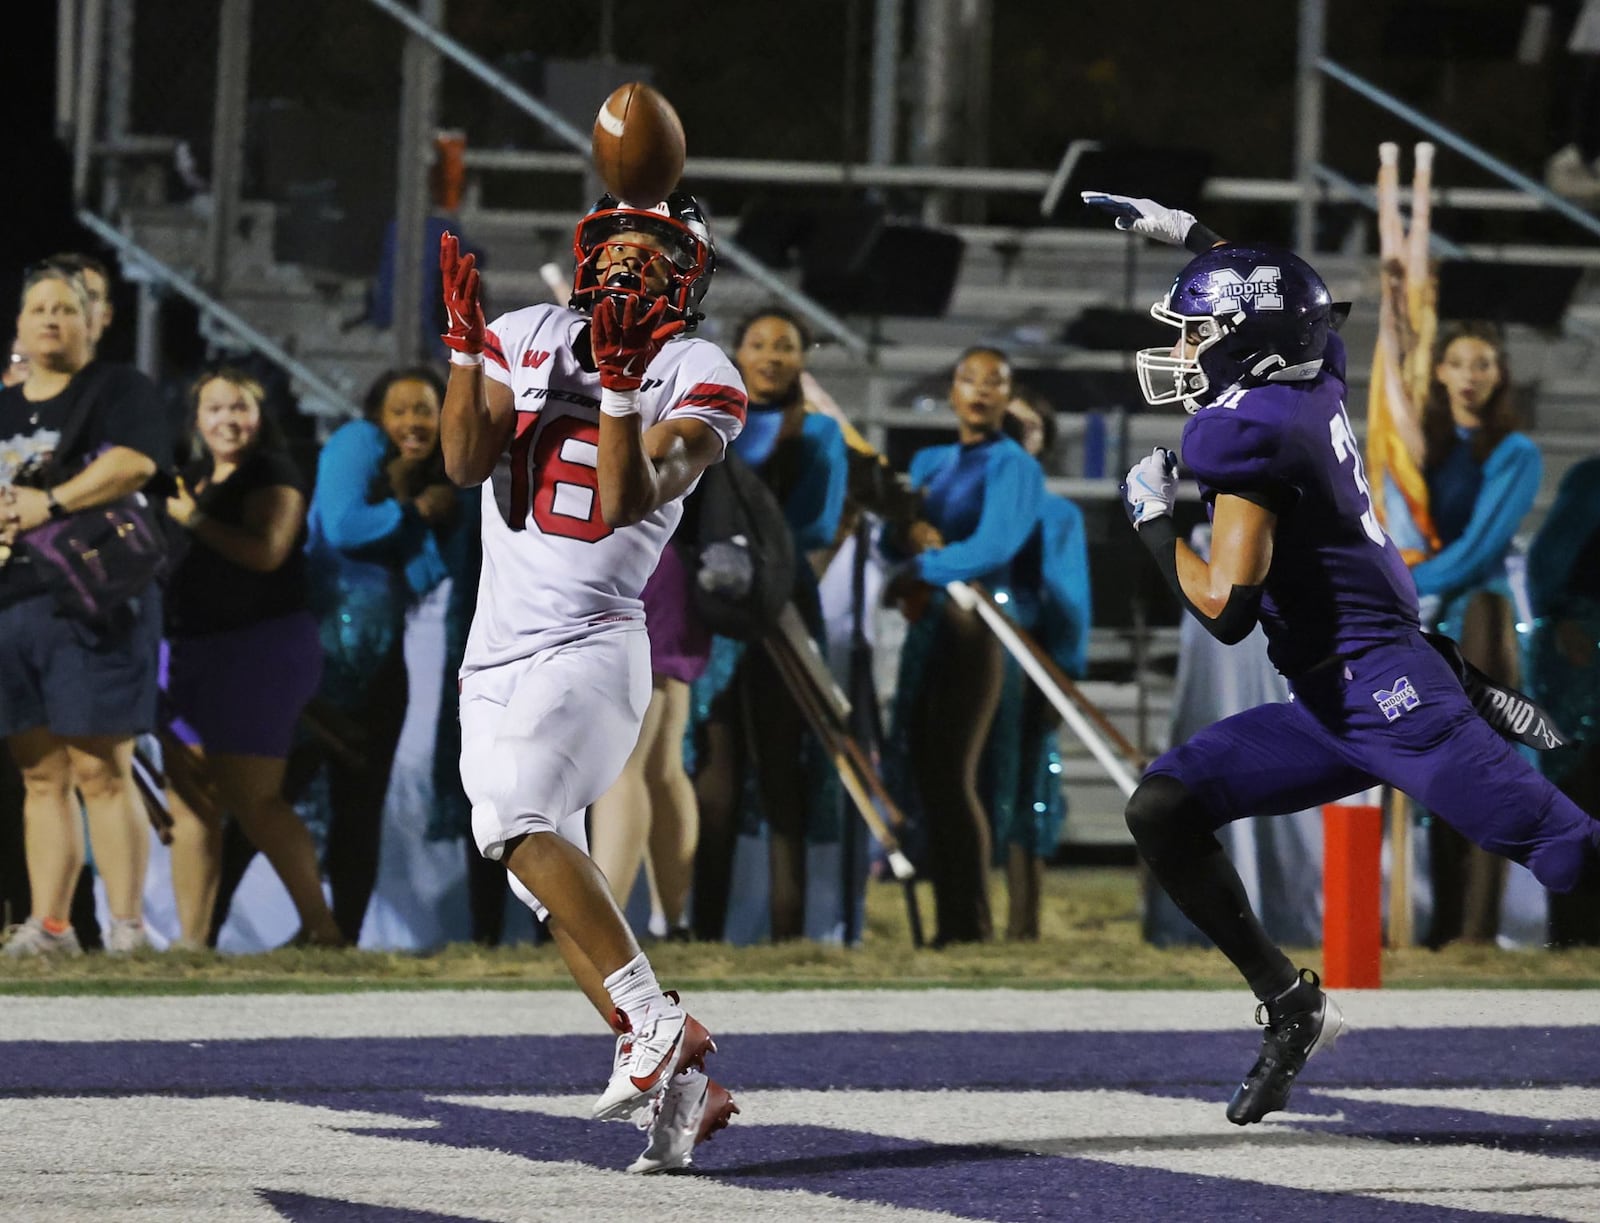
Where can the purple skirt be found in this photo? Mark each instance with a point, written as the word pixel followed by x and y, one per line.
pixel 240 693
pixel 680 646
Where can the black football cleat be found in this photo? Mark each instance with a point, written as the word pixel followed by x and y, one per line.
pixel 1298 1022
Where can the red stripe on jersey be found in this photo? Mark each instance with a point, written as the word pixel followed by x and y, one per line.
pixel 493 349
pixel 715 395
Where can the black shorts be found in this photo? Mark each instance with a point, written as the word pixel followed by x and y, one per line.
pixel 76 680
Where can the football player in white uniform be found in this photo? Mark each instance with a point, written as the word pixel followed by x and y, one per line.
pixel 586 426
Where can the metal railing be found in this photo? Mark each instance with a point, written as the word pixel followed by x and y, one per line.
pixel 140 265
pixel 978 179
pixel 1368 198
pixel 1440 134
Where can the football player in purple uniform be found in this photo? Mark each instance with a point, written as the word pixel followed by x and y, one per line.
pixel 1297 549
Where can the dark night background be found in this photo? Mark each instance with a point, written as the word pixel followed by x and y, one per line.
pixel 792 80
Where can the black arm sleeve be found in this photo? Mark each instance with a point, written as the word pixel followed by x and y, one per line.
pixel 1238 616
pixel 1200 239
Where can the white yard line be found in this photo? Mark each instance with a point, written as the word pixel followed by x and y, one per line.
pixel 731 1012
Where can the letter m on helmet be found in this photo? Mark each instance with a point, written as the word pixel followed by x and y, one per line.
pixel 1261 289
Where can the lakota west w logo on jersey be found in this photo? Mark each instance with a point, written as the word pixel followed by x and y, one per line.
pixel 533 360
pixel 1397 700
pixel 1260 289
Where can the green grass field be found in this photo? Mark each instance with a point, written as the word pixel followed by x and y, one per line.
pixel 1091 938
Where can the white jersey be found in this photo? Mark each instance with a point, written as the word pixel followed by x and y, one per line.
pixel 553 571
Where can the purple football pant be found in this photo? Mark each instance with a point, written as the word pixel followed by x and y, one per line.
pixel 1393 714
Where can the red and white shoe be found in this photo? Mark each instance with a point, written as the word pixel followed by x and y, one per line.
pixel 689 1111
pixel 666 1042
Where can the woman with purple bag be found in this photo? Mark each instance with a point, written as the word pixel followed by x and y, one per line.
pixel 79 627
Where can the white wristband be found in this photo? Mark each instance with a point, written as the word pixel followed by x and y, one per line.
pixel 465 358
pixel 619 403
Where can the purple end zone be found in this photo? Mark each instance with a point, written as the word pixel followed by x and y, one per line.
pixel 861 1061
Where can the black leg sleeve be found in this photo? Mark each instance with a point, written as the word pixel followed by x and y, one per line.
pixel 1174 836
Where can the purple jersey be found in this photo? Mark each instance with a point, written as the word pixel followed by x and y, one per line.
pixel 1337 584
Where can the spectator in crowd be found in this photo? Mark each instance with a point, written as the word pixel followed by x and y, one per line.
pixel 16 370
pixel 243 655
pixel 1482 478
pixel 1022 763
pixel 981 502
pixel 1031 423
pixel 96 277
pixel 386 528
pixel 650 808
pixel 74 694
pixel 1564 665
pixel 747 724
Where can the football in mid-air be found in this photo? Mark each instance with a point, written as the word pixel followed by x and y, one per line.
pixel 638 145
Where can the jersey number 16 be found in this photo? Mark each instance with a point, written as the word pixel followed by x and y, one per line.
pixel 563 479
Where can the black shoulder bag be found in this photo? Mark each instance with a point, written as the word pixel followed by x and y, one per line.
pixel 738 550
pixel 95 560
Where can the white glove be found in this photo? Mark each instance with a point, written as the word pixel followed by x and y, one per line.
pixel 1151 487
pixel 1153 220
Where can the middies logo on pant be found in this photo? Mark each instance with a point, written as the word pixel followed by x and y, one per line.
pixel 1397 700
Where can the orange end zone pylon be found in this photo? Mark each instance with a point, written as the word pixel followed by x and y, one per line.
pixel 1352 880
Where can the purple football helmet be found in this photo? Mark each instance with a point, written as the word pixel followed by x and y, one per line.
pixel 1256 314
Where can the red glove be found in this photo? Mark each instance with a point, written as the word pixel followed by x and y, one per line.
pixel 460 275
pixel 626 338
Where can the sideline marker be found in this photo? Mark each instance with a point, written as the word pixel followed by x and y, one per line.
pixel 1352 882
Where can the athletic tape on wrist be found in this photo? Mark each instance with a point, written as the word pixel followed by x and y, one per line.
pixel 619 403
pixel 465 358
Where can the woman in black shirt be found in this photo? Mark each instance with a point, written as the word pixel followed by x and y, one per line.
pixel 243 655
pixel 78 434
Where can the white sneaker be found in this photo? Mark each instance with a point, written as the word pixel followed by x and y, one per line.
pixel 126 935
pixel 689 1111
pixel 32 939
pixel 666 1041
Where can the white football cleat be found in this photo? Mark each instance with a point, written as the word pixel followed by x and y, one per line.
pixel 689 1111
pixel 665 1043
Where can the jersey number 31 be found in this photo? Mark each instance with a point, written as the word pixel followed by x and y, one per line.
pixel 1344 447
pixel 563 479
